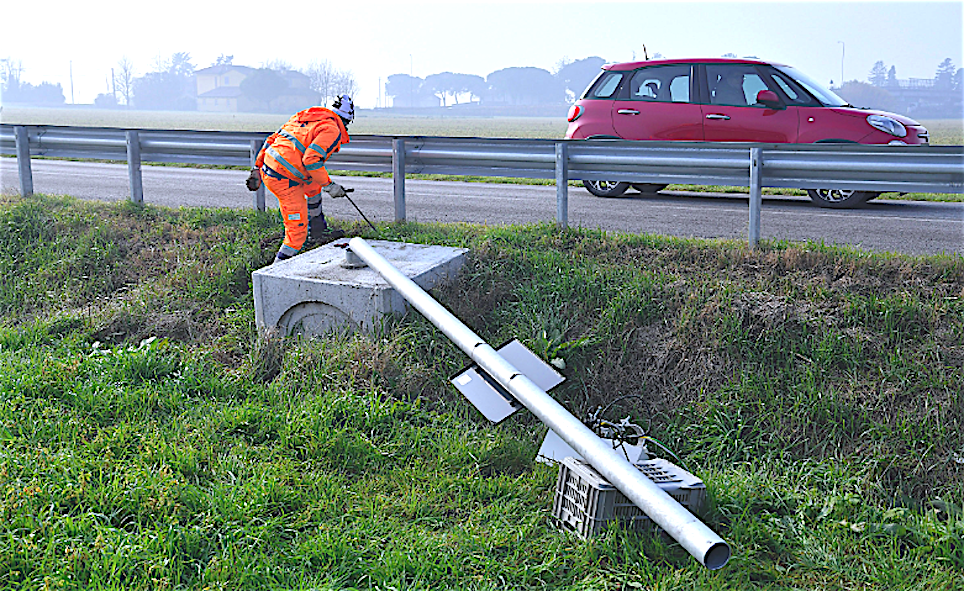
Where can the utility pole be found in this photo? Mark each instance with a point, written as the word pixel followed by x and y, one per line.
pixel 843 51
pixel 71 81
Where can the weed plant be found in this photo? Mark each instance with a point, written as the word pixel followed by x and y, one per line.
pixel 151 438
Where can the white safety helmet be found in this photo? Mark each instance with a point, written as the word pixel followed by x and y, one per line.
pixel 344 108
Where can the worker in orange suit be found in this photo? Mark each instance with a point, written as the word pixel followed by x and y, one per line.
pixel 292 166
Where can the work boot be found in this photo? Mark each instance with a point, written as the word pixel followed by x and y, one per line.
pixel 324 234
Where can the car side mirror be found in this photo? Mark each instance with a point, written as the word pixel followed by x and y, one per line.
pixel 769 99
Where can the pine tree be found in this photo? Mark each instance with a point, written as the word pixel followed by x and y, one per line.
pixel 878 74
pixel 945 75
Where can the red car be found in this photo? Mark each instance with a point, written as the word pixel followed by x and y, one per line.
pixel 727 100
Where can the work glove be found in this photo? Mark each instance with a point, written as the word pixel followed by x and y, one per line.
pixel 253 182
pixel 335 190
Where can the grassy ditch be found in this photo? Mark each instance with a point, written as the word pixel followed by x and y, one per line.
pixel 151 439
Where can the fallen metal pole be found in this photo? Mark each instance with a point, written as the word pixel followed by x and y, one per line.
pixel 698 539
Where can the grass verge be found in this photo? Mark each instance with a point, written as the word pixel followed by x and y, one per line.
pixel 151 438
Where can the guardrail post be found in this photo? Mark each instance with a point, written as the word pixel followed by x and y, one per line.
pixel 134 166
pixel 23 161
pixel 756 194
pixel 562 185
pixel 259 194
pixel 398 176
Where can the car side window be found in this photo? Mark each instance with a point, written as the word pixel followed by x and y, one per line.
pixel 606 86
pixel 661 84
pixel 795 94
pixel 734 85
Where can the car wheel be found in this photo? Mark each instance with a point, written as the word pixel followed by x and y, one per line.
pixel 606 188
pixel 840 198
pixel 649 187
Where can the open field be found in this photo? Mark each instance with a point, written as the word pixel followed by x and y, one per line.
pixel 374 124
pixel 152 439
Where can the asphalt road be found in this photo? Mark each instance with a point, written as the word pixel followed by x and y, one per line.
pixel 910 227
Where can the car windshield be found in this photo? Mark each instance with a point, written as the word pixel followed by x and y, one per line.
pixel 823 95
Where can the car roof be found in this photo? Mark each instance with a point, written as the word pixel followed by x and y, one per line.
pixel 691 60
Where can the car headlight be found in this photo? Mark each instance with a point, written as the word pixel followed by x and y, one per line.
pixel 887 125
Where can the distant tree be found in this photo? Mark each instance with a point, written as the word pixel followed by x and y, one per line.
pixel 278 65
pixel 862 94
pixel 944 79
pixel 223 60
pixel 440 85
pixel 48 93
pixel 181 65
pixel 329 82
pixel 106 101
pixel 406 91
pixel 473 85
pixel 43 94
pixel 958 83
pixel 14 90
pixel 729 55
pixel 878 74
pixel 575 76
pixel 892 77
pixel 124 80
pixel 525 85
pixel 10 72
pixel 322 76
pixel 157 91
pixel 171 86
pixel 345 84
pixel 560 64
pixel 449 84
pixel 262 87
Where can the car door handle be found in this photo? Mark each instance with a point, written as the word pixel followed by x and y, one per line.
pixel 718 116
pixel 628 112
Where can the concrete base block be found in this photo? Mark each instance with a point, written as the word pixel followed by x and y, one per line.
pixel 315 292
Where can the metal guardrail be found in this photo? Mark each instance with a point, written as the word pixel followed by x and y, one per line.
pixel 928 169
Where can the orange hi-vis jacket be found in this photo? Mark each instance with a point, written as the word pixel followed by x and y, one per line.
pixel 299 149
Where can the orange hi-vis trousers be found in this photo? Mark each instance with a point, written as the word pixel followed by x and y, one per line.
pixel 294 199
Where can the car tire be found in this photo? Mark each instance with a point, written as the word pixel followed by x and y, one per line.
pixel 605 188
pixel 649 187
pixel 840 198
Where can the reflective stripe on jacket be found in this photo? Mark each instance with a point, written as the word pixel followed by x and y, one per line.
pixel 298 150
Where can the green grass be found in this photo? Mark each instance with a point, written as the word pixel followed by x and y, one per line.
pixel 151 439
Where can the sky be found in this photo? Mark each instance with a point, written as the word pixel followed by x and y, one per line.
pixel 77 43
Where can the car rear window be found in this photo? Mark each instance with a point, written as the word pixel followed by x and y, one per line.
pixel 662 84
pixel 605 86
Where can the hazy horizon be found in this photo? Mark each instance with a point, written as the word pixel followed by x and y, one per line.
pixel 378 39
